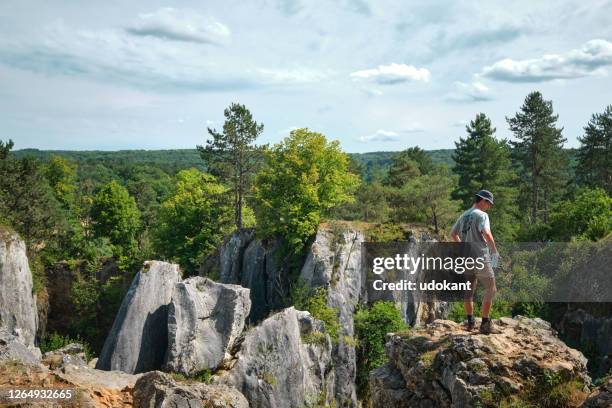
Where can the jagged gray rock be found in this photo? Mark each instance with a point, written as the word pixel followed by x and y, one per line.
pixel 12 348
pixel 248 261
pixel 204 320
pixel 138 339
pixel 157 390
pixel 283 362
pixel 18 314
pixel 334 262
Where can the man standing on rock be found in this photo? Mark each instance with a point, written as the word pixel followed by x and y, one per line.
pixel 473 226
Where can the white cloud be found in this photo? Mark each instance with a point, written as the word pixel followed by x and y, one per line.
pixel 180 25
pixel 470 92
pixel 460 123
pixel 381 135
pixel 587 60
pixel 393 74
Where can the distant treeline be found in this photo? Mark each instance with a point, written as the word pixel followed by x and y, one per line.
pixel 174 160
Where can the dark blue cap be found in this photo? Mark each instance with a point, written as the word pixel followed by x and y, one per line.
pixel 485 194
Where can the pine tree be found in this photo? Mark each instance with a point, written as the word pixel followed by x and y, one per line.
pixel 539 154
pixel 483 162
pixel 232 156
pixel 595 153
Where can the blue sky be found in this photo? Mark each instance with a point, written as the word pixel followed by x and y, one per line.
pixel 377 75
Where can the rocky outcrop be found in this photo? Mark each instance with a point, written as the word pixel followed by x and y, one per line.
pixel 71 354
pixel 442 365
pixel 18 315
pixel 158 390
pixel 334 262
pixel 246 260
pixel 283 362
pixel 204 320
pixel 138 339
pixel 12 348
pixel 592 333
pixel 601 397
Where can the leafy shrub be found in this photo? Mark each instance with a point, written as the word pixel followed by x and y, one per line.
pixel 371 327
pixel 315 302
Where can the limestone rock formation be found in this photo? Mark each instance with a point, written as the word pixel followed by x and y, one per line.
pixel 13 349
pixel 204 320
pixel 334 262
pixel 18 315
pixel 248 261
pixel 442 365
pixel 601 397
pixel 157 390
pixel 592 332
pixel 284 362
pixel 138 339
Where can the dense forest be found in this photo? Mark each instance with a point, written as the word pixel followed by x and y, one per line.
pixel 88 210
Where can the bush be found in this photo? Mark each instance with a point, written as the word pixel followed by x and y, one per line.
pixel 315 302
pixel 371 328
pixel 56 341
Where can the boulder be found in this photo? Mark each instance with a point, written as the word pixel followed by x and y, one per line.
pixel 204 320
pixel 18 315
pixel 12 348
pixel 99 388
pixel 601 397
pixel 442 365
pixel 157 390
pixel 73 354
pixel 283 362
pixel 138 339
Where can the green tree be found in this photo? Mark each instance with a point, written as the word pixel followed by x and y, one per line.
pixel 371 328
pixel 193 220
pixel 27 201
pixel 115 216
pixel 425 198
pixel 589 215
pixel 5 148
pixel 421 157
pixel 595 152
pixel 304 177
pixel 232 155
pixel 483 162
pixel 61 175
pixel 539 153
pixel 403 169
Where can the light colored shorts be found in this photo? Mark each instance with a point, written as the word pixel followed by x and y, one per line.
pixel 485 272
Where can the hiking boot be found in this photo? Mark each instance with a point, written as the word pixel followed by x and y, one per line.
pixel 488 328
pixel 469 325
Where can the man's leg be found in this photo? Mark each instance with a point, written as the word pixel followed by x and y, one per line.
pixel 487 278
pixel 468 302
pixel 487 300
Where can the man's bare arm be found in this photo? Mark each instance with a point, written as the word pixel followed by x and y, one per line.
pixel 456 237
pixel 488 237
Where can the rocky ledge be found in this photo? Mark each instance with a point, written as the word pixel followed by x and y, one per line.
pixel 443 365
